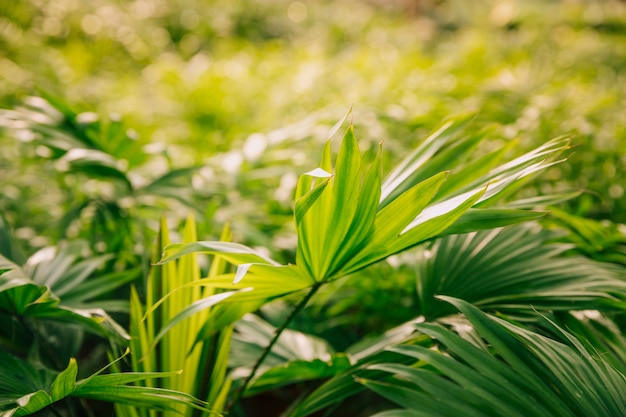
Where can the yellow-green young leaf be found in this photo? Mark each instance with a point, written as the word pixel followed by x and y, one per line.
pixel 326 163
pixel 219 266
pixel 343 203
pixel 304 186
pixel 188 268
pixel 397 215
pixel 266 281
pixel 190 311
pixel 453 155
pixel 232 252
pixel 219 402
pixel 304 249
pixel 122 410
pixel 477 168
pixel 168 281
pixel 314 227
pixel 393 219
pixel 310 180
pixel 483 219
pixel 504 179
pixel 224 315
pixel 142 358
pixel 220 352
pixel 94 382
pixel 261 283
pixel 437 220
pixel 542 201
pixel 347 175
pixel 500 188
pixel 64 383
pixel 362 226
pixel 304 203
pixel 155 398
pixel 399 180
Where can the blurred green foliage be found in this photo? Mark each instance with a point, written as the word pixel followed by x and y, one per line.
pixel 114 111
pixel 205 78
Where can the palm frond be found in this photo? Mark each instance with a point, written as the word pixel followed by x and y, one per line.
pixel 513 269
pixel 519 373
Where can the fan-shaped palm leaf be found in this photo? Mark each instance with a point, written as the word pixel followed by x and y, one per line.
pixel 519 373
pixel 513 269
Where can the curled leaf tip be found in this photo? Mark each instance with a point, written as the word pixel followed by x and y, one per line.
pixel 242 270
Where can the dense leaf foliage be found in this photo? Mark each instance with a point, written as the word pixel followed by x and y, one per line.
pixel 186 229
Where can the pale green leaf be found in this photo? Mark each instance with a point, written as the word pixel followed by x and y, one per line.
pixel 400 179
pixel 434 220
pixel 190 311
pixel 232 252
pixel 363 222
pixel 483 219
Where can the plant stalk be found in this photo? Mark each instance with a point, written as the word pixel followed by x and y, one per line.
pixel 268 349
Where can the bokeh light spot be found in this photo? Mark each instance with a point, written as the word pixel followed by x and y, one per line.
pixel 297 12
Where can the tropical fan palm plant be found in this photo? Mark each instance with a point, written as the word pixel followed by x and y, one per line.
pixel 506 371
pixel 45 307
pixel 164 332
pixel 347 218
pixel 518 272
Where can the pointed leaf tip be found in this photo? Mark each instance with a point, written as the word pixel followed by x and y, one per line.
pixel 242 270
pixel 319 173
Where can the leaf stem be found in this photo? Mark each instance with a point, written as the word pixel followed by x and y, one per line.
pixel 268 349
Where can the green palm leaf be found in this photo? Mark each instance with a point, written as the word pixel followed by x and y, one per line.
pixel 343 228
pixel 513 269
pixel 521 373
pixel 346 220
pixel 517 270
pixel 25 389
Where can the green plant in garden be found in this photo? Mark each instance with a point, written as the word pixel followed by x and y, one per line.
pixel 46 307
pixel 521 274
pixel 601 240
pixel 513 271
pixel 406 294
pixel 347 218
pixel 539 69
pixel 162 337
pixel 503 370
pixel 48 303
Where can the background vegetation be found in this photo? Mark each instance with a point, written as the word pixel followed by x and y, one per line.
pixel 117 113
